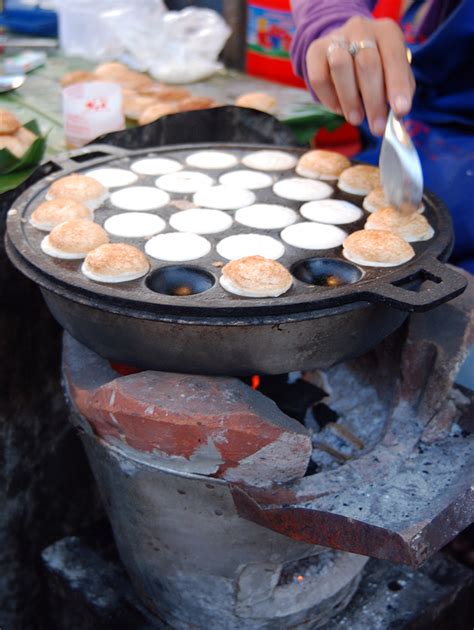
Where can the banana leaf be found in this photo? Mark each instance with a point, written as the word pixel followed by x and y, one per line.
pixel 13 180
pixel 306 121
pixel 14 171
pixel 33 156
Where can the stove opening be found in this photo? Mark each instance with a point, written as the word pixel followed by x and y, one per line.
pixel 334 412
pixel 290 392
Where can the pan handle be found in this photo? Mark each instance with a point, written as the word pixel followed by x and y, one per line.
pixel 70 159
pixel 444 283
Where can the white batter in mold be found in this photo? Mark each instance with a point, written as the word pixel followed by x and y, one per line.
pixel 266 216
pixel 177 246
pixel 334 211
pixel 184 182
pixel 201 221
pixel 300 189
pixel 134 225
pixel 156 166
pixel 113 177
pixel 139 198
pixel 224 198
pixel 211 160
pixel 241 245
pixel 270 160
pixel 309 235
pixel 250 180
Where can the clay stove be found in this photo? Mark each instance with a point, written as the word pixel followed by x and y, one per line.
pixel 228 513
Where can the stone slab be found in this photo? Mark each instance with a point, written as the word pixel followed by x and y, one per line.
pixel 209 425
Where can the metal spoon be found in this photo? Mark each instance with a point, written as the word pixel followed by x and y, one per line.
pixel 400 168
pixel 10 82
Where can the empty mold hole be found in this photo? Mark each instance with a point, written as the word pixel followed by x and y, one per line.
pixel 326 272
pixel 180 281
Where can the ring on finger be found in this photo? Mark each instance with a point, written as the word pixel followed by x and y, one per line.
pixel 335 44
pixel 356 46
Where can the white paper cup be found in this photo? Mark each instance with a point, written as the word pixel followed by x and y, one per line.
pixel 90 110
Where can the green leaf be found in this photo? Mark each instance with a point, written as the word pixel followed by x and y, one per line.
pixel 13 180
pixel 306 121
pixel 7 161
pixel 34 127
pixel 313 113
pixel 33 156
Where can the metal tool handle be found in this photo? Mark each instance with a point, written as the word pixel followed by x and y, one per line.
pixel 445 283
pixel 70 159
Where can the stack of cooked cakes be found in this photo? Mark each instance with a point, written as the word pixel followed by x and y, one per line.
pixel 260 101
pixel 144 100
pixel 13 136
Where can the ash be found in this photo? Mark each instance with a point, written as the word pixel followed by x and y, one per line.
pixel 315 566
pixel 348 421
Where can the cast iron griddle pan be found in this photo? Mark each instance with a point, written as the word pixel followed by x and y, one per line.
pixel 363 289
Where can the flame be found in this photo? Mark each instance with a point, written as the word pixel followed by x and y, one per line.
pixel 300 578
pixel 124 370
pixel 255 381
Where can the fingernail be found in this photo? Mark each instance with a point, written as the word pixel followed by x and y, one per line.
pixel 402 104
pixel 378 126
pixel 354 118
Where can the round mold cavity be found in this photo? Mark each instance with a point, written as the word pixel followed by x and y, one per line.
pixel 326 272
pixel 180 280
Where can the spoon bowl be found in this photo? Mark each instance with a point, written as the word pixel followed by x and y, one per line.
pixel 400 168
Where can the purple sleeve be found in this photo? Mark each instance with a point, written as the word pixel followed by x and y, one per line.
pixel 314 18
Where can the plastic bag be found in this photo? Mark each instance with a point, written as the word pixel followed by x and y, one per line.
pixel 84 30
pixel 174 46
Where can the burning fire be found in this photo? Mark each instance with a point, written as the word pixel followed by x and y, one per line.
pixel 300 578
pixel 255 381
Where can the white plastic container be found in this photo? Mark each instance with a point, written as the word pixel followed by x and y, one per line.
pixel 84 30
pixel 90 110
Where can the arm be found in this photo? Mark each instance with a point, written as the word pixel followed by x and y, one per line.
pixel 352 87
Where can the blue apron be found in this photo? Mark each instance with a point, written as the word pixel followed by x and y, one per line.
pixel 441 122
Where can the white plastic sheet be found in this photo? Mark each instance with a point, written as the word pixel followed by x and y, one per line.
pixel 174 46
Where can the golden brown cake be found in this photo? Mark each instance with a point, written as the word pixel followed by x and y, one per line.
pixel 320 164
pixel 255 276
pixel 115 262
pixel 377 248
pixel 74 239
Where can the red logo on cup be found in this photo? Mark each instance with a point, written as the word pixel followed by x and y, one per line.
pixel 96 104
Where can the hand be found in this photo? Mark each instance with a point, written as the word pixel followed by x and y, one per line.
pixel 354 86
